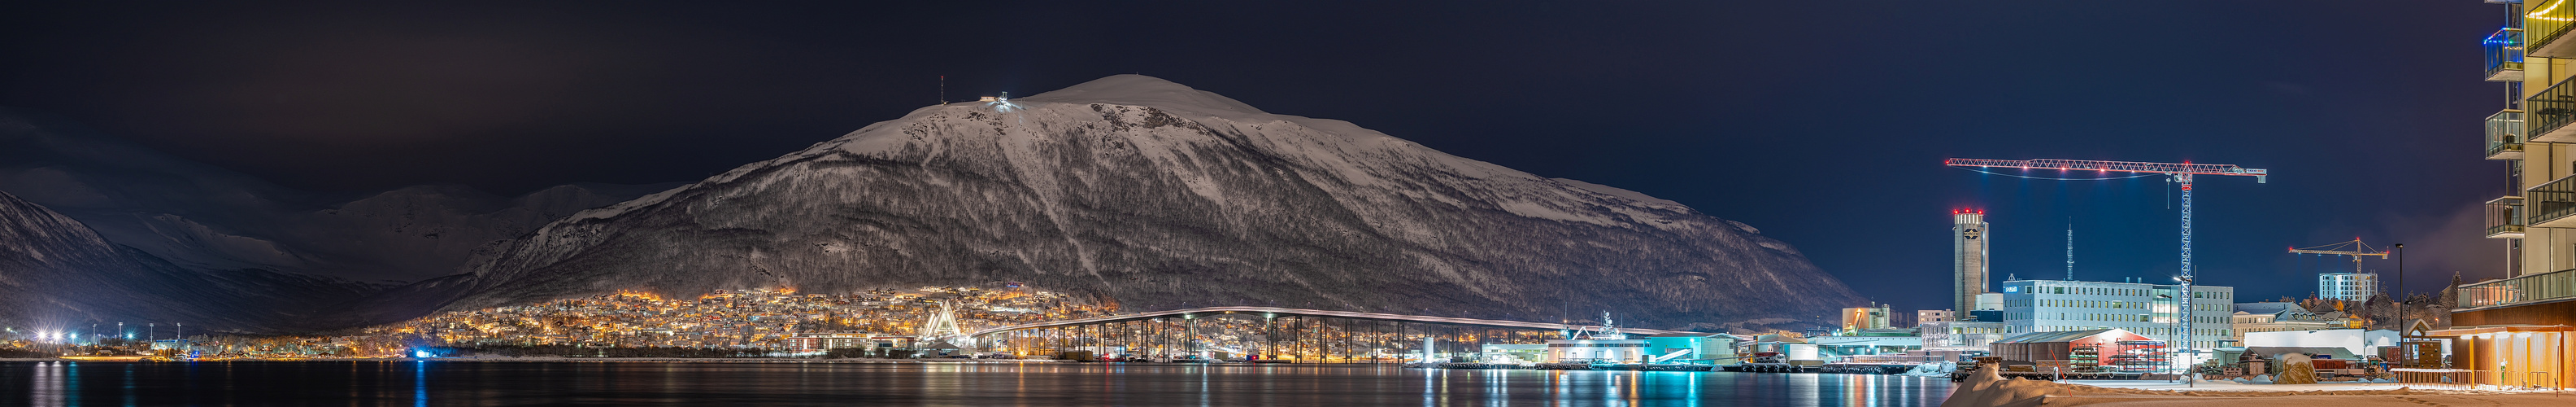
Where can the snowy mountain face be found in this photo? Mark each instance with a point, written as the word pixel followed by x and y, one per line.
pixel 56 273
pixel 1160 196
pixel 207 218
pixel 431 230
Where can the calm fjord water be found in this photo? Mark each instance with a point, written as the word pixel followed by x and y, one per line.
pixel 964 384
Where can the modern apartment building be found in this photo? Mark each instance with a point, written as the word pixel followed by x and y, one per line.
pixel 2347 286
pixel 2510 328
pixel 2147 309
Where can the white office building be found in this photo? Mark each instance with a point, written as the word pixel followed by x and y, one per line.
pixel 2347 286
pixel 2147 309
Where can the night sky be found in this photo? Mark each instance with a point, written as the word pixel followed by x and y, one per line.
pixel 1822 123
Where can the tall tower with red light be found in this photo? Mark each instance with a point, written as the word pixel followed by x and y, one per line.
pixel 1968 236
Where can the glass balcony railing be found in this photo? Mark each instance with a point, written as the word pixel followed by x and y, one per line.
pixel 2548 113
pixel 2545 24
pixel 2504 218
pixel 2504 55
pixel 2528 288
pixel 2504 135
pixel 2551 204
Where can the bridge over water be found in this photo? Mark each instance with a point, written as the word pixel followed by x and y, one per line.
pixel 1302 335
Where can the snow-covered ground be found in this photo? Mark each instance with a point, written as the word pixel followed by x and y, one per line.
pixel 1991 390
pixel 2233 386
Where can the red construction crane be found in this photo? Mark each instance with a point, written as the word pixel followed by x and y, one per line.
pixel 2181 173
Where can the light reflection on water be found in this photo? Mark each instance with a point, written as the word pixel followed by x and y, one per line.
pixel 1036 384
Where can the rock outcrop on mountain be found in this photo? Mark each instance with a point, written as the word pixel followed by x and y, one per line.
pixel 57 274
pixel 1158 196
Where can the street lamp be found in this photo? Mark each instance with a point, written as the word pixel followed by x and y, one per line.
pixel 2401 280
pixel 2402 337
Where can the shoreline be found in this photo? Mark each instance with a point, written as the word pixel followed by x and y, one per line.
pixel 565 359
pixel 557 359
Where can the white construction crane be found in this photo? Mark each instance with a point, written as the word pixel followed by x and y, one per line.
pixel 2181 173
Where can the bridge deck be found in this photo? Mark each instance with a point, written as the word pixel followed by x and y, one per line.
pixel 1281 312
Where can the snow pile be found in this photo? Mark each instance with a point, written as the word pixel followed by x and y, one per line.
pixel 1989 388
pixel 2299 370
pixel 1986 388
pixel 1942 369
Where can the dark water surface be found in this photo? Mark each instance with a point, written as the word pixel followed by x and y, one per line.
pixel 1035 384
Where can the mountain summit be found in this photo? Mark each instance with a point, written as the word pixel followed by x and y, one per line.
pixel 1160 196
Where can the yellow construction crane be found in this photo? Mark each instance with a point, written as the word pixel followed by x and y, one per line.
pixel 2354 248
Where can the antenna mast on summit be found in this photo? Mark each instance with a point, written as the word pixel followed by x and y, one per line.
pixel 943 89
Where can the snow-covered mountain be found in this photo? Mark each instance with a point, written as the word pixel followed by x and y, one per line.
pixel 1159 196
pixel 56 274
pixel 203 217
pixel 426 231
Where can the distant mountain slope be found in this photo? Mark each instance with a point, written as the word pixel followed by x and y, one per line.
pixel 56 273
pixel 205 217
pixel 1160 196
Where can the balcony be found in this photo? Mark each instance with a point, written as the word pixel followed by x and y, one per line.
pixel 2504 55
pixel 2526 289
pixel 2504 135
pixel 2547 114
pixel 2545 25
pixel 2550 205
pixel 2504 218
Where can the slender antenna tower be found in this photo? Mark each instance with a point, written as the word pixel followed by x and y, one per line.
pixel 943 89
pixel 2070 248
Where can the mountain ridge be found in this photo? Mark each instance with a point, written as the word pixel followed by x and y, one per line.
pixel 204 217
pixel 56 272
